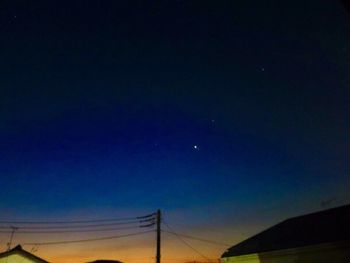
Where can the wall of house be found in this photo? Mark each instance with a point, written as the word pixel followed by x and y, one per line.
pixel 15 258
pixel 329 253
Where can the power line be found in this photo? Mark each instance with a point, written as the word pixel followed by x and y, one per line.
pixel 202 228
pixel 75 231
pixel 146 216
pixel 67 222
pixel 76 226
pixel 197 238
pixel 77 221
pixel 87 240
pixel 187 244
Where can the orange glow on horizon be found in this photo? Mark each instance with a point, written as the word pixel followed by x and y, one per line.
pixel 130 250
pixel 136 249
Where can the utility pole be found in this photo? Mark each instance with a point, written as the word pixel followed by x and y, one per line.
pixel 158 236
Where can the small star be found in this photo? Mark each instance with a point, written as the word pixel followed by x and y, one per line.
pixel 195 147
pixel 213 120
pixel 262 69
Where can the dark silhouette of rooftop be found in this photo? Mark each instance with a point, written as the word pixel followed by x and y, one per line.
pixel 326 226
pixel 346 4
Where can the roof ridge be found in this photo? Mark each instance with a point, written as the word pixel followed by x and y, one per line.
pixel 318 212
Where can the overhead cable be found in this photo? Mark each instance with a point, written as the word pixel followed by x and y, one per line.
pixel 87 240
pixel 77 221
pixel 187 244
pixel 197 238
pixel 146 216
pixel 76 226
pixel 73 231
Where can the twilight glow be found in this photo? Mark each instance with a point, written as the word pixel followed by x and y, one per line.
pixel 227 116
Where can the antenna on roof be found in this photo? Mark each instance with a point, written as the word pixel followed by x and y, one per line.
pixel 34 249
pixel 9 244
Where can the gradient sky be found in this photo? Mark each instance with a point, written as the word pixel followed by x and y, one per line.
pixel 227 115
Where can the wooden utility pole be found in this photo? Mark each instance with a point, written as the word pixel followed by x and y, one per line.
pixel 158 236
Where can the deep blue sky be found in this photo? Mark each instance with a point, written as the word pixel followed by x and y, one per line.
pixel 102 103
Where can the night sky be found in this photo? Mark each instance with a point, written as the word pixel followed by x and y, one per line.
pixel 228 115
